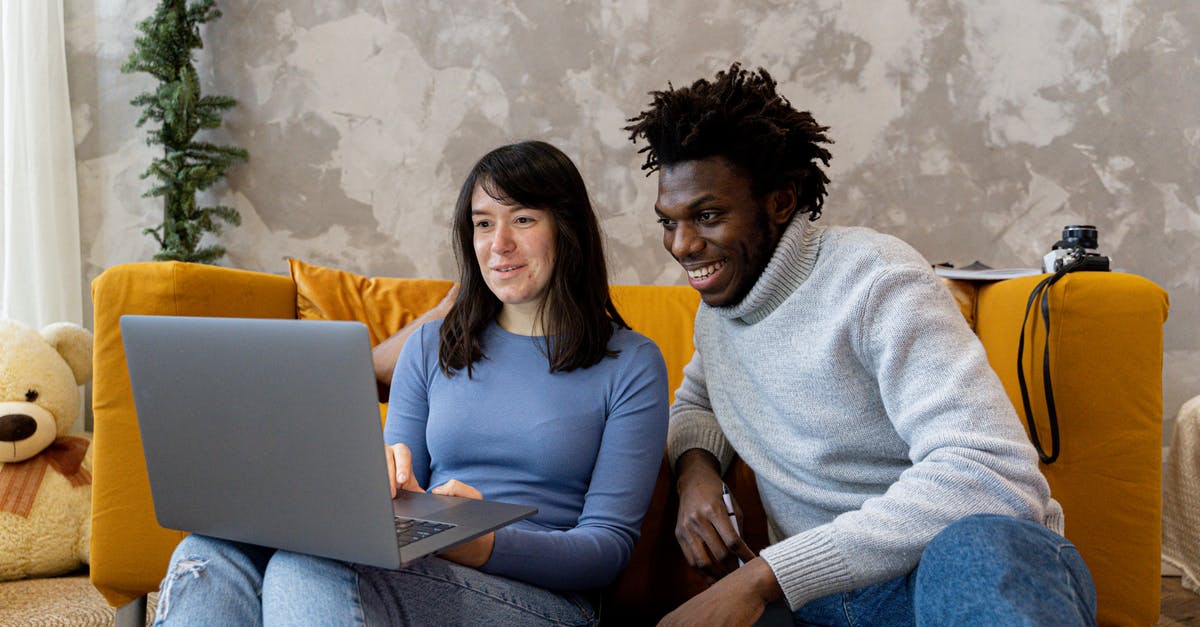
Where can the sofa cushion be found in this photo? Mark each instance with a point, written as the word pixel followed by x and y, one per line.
pixel 129 550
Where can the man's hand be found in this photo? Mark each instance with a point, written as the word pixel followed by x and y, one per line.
pixel 738 599
pixel 400 474
pixel 476 552
pixel 703 529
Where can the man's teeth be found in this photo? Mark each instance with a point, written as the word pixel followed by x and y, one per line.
pixel 706 271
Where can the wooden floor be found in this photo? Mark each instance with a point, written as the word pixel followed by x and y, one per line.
pixel 1179 605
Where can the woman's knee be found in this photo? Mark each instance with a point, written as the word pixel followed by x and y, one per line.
pixel 287 566
pixel 202 569
pixel 305 589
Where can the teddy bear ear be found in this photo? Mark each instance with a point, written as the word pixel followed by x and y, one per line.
pixel 74 343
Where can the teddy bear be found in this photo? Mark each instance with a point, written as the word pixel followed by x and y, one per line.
pixel 45 473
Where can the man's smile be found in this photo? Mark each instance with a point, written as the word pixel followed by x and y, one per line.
pixel 700 273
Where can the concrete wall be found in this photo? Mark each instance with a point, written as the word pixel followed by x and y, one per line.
pixel 973 130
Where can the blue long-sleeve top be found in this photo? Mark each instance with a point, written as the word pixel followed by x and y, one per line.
pixel 584 447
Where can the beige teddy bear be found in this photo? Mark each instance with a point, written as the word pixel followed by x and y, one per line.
pixel 45 474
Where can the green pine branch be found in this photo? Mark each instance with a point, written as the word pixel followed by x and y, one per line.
pixel 176 111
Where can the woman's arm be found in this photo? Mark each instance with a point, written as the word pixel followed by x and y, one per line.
pixel 592 554
pixel 408 404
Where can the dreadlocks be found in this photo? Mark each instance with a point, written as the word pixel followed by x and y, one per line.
pixel 740 117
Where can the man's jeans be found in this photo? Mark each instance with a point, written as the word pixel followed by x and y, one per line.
pixel 216 582
pixel 981 570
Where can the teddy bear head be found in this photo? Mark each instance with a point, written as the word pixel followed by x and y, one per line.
pixel 40 375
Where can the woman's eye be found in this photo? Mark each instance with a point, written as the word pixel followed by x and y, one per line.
pixel 31 396
pixel 524 220
pixel 482 224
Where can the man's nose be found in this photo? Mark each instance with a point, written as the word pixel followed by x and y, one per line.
pixel 683 241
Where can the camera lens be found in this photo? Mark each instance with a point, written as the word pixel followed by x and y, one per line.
pixel 1081 235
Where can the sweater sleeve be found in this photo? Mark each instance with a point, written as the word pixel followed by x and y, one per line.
pixel 592 554
pixel 968 451
pixel 408 401
pixel 693 423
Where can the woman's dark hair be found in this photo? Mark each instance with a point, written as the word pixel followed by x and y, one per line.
pixel 577 314
pixel 740 117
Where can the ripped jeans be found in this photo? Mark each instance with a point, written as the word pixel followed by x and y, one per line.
pixel 217 582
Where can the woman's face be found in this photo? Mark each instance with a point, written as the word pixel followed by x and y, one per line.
pixel 514 246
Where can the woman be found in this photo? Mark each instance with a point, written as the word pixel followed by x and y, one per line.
pixel 532 390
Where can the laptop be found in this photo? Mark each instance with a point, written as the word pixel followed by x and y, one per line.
pixel 267 431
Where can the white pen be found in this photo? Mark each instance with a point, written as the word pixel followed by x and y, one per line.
pixel 728 498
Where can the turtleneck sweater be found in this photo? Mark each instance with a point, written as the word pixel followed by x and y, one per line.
pixel 851 384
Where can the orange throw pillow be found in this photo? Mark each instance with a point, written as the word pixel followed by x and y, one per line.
pixel 384 304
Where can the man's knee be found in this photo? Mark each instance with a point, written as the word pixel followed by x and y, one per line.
pixel 993 561
pixel 994 534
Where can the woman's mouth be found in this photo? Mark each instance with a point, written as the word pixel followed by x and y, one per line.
pixel 506 270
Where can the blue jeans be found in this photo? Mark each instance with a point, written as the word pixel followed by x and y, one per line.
pixel 216 582
pixel 982 570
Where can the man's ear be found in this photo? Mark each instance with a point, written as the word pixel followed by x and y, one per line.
pixel 781 204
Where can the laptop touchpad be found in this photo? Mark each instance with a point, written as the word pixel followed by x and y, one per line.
pixel 418 505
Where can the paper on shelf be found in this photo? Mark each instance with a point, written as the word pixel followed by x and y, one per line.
pixel 990 274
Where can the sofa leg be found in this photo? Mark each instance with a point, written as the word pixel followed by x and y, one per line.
pixel 132 614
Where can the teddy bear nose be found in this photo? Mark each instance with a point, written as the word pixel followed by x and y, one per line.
pixel 16 427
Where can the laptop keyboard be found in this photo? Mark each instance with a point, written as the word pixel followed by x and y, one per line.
pixel 409 530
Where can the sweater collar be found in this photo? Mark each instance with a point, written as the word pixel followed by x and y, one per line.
pixel 789 266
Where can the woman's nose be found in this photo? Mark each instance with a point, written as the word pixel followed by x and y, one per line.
pixel 502 239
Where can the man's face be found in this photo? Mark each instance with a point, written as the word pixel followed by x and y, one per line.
pixel 716 229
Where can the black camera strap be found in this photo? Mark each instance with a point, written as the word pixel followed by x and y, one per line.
pixel 1042 290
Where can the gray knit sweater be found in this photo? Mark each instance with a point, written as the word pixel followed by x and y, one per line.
pixel 850 383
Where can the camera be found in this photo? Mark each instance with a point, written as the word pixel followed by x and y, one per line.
pixel 1077 246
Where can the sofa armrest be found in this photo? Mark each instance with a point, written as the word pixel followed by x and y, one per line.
pixel 1106 349
pixel 129 551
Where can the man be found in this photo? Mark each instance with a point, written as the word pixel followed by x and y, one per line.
pixel 899 485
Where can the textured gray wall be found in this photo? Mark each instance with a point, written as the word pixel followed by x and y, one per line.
pixel 973 130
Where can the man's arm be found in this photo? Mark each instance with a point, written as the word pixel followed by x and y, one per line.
pixel 384 355
pixel 712 546
pixel 699 452
pixel 738 599
pixel 706 536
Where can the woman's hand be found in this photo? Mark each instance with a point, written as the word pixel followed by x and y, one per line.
pixel 400 474
pixel 476 552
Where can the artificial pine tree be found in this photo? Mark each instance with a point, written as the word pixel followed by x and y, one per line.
pixel 187 166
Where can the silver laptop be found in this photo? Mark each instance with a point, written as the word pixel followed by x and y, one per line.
pixel 267 432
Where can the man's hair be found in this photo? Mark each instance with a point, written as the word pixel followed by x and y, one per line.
pixel 740 117
pixel 577 313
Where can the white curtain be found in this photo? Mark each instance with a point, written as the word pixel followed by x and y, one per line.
pixel 40 268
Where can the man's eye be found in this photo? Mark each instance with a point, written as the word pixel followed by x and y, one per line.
pixel 706 216
pixel 666 222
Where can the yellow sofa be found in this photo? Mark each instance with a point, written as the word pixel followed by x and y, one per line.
pixel 1106 364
